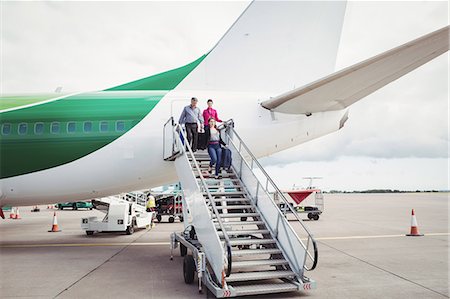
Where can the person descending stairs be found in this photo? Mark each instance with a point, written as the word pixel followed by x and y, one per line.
pixel 240 241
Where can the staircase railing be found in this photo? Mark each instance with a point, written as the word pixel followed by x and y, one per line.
pixel 179 148
pixel 247 167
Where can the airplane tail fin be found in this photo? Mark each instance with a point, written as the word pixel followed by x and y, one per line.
pixel 273 46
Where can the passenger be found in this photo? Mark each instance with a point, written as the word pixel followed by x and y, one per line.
pixel 207 114
pixel 214 149
pixel 191 117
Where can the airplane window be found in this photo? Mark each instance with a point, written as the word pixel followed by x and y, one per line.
pixel 38 128
pixel 120 126
pixel 23 128
pixel 87 126
pixel 104 126
pixel 71 126
pixel 6 129
pixel 55 128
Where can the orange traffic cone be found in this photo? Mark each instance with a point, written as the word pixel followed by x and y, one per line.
pixel 12 214
pixel 17 216
pixel 55 228
pixel 414 227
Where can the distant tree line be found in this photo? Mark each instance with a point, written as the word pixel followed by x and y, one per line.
pixel 384 191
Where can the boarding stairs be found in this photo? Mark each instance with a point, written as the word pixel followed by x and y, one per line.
pixel 249 246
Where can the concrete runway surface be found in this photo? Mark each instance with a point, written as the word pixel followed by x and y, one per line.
pixel 363 253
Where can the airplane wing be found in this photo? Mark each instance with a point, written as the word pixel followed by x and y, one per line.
pixel 345 87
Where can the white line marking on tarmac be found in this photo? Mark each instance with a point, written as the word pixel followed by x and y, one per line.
pixel 376 236
pixel 168 243
pixel 84 245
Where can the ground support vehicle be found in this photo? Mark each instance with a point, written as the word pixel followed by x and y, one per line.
pixel 121 216
pixel 75 205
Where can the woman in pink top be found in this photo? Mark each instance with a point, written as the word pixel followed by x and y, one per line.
pixel 209 113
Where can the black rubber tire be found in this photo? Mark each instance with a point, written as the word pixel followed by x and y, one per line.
pixel 158 217
pixel 60 207
pixel 74 207
pixel 188 269
pixel 181 218
pixel 183 250
pixel 316 217
pixel 171 219
pixel 243 218
pixel 89 232
pixel 310 216
pixel 130 229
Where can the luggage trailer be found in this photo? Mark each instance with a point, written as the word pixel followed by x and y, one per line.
pixel 170 205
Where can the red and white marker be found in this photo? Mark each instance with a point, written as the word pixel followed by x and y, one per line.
pixel 414 227
pixel 55 228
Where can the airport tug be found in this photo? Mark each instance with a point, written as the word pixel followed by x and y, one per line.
pixel 236 238
pixel 124 213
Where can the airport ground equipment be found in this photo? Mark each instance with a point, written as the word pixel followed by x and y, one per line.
pixel 121 215
pixel 308 201
pixel 75 205
pixel 170 205
pixel 236 239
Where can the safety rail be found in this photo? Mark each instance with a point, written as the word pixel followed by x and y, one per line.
pixel 265 200
pixel 179 148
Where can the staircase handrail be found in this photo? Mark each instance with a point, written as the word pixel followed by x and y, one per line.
pixel 229 130
pixel 177 130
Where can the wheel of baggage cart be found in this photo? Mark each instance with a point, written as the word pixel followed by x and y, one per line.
pixel 316 216
pixel 158 217
pixel 188 269
pixel 171 219
pixel 310 216
pixel 89 232
pixel 183 250
pixel 181 218
pixel 74 206
pixel 130 229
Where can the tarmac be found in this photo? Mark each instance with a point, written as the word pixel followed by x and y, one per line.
pixel 363 253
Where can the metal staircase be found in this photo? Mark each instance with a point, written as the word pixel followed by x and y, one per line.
pixel 241 242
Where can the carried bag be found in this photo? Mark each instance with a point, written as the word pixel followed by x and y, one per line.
pixel 202 142
pixel 226 158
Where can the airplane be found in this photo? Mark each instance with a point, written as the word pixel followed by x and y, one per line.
pixel 88 145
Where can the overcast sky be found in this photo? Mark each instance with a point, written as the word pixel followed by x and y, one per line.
pixel 396 138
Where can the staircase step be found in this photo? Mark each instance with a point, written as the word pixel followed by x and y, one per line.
pixel 211 177
pixel 237 199
pixel 254 263
pixel 246 276
pixel 237 215
pixel 255 251
pixel 244 232
pixel 242 223
pixel 236 242
pixel 225 193
pixel 264 288
pixel 236 207
pixel 227 181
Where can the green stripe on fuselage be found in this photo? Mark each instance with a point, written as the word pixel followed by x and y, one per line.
pixel 86 122
pixel 96 119
pixel 163 81
pixel 13 101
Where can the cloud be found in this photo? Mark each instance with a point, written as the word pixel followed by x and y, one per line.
pixel 365 173
pixel 93 45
